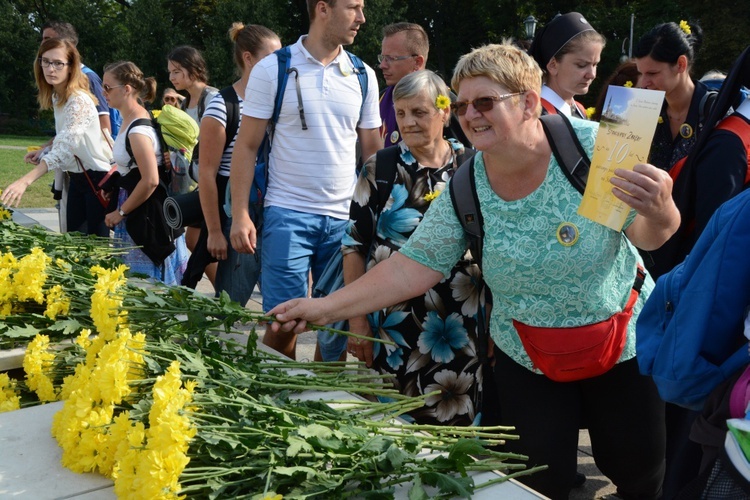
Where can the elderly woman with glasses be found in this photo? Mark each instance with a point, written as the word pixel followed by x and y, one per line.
pixel 554 275
pixel 80 148
pixel 434 334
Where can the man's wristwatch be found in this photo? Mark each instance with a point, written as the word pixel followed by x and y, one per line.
pixel 122 213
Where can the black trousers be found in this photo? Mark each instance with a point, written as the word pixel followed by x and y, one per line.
pixel 621 409
pixel 85 214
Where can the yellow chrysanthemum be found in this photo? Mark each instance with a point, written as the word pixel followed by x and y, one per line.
pixel 431 195
pixel 684 26
pixel 36 363
pixel 57 303
pixel 9 400
pixel 590 112
pixel 5 214
pixel 442 102
pixel 30 276
pixel 628 84
pixel 660 120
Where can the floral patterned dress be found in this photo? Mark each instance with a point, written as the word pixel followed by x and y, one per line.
pixel 435 334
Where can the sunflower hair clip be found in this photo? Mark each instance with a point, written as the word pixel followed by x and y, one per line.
pixel 684 26
pixel 442 102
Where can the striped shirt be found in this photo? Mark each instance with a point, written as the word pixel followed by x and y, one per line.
pixel 217 109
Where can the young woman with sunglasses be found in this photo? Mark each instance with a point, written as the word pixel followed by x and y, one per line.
pixel 547 267
pixel 80 148
pixel 141 190
pixel 568 50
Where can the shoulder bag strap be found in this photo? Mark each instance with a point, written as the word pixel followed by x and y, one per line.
pixel 567 149
pixel 361 71
pixel 463 192
pixel 232 104
pixel 385 173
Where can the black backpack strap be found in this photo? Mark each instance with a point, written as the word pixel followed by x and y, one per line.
pixel 128 148
pixel 232 103
pixel 202 99
pixel 385 173
pixel 463 192
pixel 570 155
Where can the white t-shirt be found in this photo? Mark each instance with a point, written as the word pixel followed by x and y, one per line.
pixel 313 170
pixel 217 110
pixel 122 158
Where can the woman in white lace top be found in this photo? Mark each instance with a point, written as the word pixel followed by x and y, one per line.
pixel 79 147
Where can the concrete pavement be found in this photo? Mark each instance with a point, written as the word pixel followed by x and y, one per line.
pixel 596 485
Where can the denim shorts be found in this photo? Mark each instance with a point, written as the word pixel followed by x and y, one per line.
pixel 295 243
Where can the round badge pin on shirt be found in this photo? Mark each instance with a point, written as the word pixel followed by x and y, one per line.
pixel 686 131
pixel 394 136
pixel 567 234
pixel 344 68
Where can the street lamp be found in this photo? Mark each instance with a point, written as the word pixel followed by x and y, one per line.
pixel 529 25
pixel 624 57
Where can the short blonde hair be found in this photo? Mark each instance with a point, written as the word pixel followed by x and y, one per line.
pixel 504 64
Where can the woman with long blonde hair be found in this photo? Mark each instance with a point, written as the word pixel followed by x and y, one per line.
pixel 80 149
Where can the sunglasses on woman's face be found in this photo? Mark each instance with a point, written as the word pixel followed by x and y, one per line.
pixel 170 100
pixel 481 104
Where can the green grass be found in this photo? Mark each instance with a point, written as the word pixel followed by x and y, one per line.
pixel 12 167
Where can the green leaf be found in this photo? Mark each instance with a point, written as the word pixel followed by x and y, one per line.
pixel 462 451
pixel 290 471
pixel 18 332
pixel 296 445
pixel 152 298
pixel 68 326
pixel 396 456
pixel 417 491
pixel 462 486
pixel 315 430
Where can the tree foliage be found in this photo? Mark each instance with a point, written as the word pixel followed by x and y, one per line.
pixel 144 31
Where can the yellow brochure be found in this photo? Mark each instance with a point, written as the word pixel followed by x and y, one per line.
pixel 626 130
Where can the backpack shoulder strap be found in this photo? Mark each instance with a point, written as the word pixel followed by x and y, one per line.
pixel 463 192
pixel 567 149
pixel 128 148
pixel 741 129
pixel 202 99
pixel 548 108
pixel 232 103
pixel 283 56
pixel 361 71
pixel 385 173
pixel 706 105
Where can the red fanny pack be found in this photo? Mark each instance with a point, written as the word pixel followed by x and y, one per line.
pixel 581 352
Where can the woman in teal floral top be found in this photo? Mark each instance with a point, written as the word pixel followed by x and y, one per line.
pixel 435 333
pixel 538 276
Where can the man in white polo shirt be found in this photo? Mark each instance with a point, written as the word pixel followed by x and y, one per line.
pixel 311 171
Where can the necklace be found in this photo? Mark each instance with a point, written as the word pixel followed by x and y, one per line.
pixel 447 159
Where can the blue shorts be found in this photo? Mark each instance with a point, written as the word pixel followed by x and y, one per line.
pixel 295 243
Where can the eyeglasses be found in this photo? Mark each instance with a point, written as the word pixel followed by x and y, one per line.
pixel 108 89
pixel 481 104
pixel 392 59
pixel 46 63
